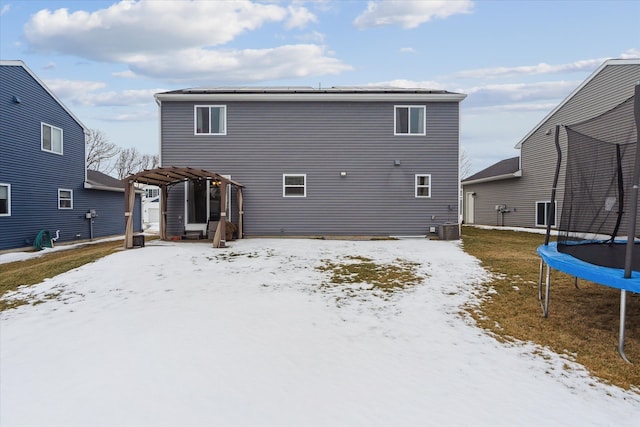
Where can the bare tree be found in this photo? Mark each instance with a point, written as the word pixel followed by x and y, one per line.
pixel 131 161
pixel 465 165
pixel 100 151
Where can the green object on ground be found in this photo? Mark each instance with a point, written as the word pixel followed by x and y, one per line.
pixel 42 240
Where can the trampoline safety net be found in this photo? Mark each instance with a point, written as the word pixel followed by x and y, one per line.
pixel 597 202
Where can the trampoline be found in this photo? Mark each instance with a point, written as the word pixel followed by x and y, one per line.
pixel 597 233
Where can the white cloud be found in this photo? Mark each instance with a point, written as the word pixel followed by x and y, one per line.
pixel 128 28
pixel 313 37
pixel 519 107
pixel 136 116
pixel 299 17
pixel 181 41
pixel 508 96
pixel 73 89
pixel 50 66
pixel 400 83
pixel 409 13
pixel 250 65
pixel 407 50
pixel 630 54
pixel 542 68
pixel 523 93
pixel 5 9
pixel 86 93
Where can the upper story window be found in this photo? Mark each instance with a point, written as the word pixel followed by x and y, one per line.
pixel 423 185
pixel 410 119
pixel 51 139
pixel 5 199
pixel 65 199
pixel 210 120
pixel 294 185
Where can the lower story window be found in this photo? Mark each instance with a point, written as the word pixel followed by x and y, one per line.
pixel 294 185
pixel 423 185
pixel 5 199
pixel 542 213
pixel 65 199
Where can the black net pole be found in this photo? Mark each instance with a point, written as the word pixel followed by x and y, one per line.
pixel 552 205
pixel 631 235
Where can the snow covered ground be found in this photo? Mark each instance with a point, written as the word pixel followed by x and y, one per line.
pixel 181 334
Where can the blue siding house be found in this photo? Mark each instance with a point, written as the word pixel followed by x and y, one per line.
pixel 43 176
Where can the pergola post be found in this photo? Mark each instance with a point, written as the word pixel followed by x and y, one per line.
pixel 240 213
pixel 163 212
pixel 129 201
pixel 223 214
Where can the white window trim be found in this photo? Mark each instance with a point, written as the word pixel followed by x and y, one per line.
pixel 422 186
pixel 61 139
pixel 59 198
pixel 424 120
pixel 555 214
pixel 195 120
pixel 284 186
pixel 8 199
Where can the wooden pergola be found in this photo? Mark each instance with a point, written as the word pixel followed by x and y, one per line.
pixel 167 176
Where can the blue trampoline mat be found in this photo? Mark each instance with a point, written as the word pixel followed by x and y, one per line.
pixel 612 277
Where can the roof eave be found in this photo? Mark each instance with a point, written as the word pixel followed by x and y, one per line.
pixel 516 174
pixel 311 97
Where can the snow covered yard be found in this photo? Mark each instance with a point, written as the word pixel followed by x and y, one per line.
pixel 181 334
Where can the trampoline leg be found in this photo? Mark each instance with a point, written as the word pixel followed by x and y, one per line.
pixel 540 280
pixel 545 307
pixel 623 310
pixel 575 283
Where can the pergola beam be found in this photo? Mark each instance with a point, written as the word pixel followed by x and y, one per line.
pixel 165 176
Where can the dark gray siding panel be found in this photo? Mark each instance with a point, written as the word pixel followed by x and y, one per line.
pixel 321 139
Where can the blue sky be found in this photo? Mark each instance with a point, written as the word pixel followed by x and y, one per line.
pixel 516 60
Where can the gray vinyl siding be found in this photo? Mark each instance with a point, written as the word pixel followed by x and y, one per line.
pixel 611 86
pixel 321 139
pixel 35 175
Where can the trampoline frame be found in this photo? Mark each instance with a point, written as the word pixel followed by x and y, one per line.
pixel 611 277
pixel 624 279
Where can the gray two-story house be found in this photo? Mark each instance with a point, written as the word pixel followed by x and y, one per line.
pixel 339 161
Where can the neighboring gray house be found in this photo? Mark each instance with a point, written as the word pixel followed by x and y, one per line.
pixel 339 161
pixel 516 192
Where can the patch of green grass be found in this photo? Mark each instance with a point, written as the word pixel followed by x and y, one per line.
pixel 35 270
pixel 583 323
pixel 385 277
